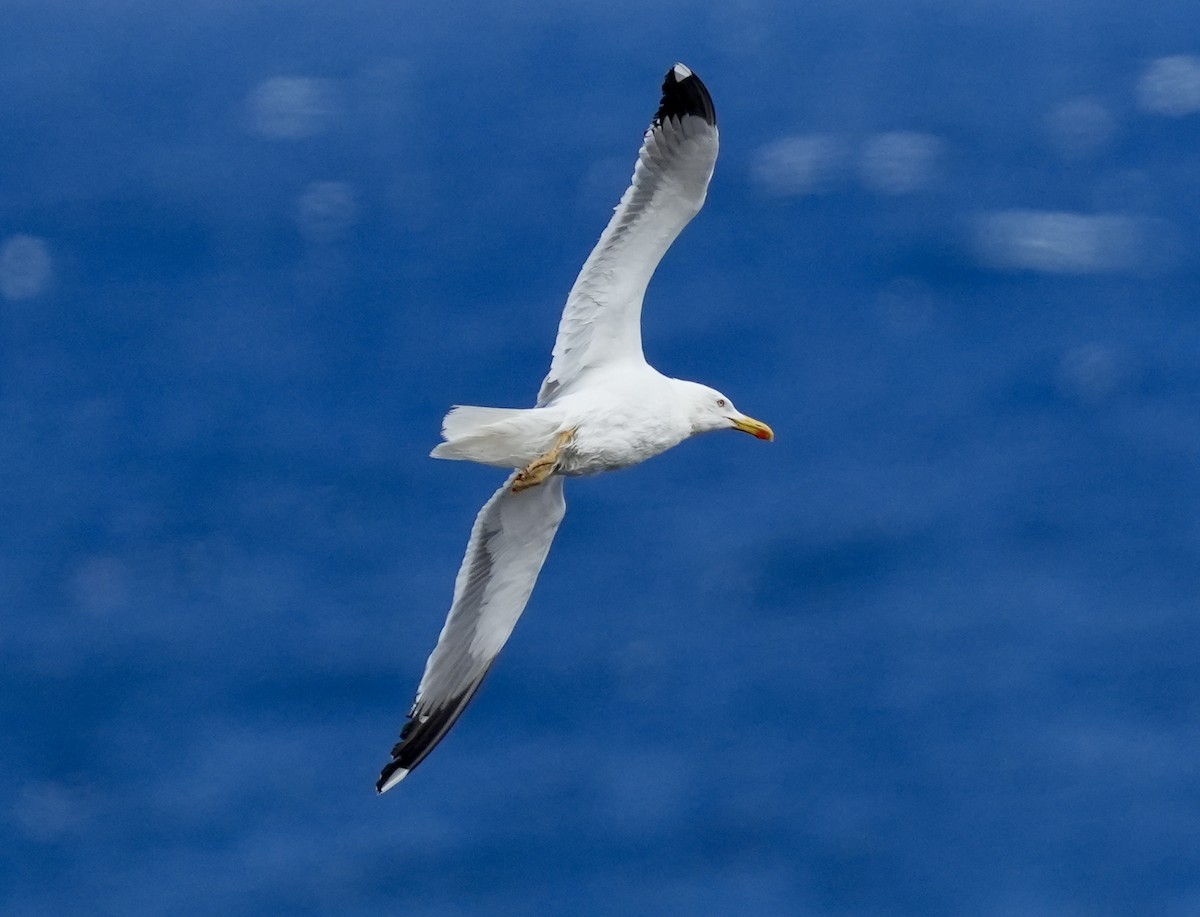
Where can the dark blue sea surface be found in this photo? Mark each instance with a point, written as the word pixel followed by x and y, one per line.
pixel 933 652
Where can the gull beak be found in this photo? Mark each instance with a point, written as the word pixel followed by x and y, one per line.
pixel 755 428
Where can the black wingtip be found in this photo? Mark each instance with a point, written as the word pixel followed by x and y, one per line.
pixel 684 94
pixel 422 733
pixel 384 782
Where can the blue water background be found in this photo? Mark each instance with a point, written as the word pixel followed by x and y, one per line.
pixel 933 652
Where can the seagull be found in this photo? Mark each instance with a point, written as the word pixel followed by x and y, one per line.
pixel 601 407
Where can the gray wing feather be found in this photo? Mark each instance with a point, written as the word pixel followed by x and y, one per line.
pixel 508 545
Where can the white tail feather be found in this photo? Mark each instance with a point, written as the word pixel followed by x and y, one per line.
pixel 467 419
pixel 504 437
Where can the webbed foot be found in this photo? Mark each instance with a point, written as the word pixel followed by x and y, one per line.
pixel 543 466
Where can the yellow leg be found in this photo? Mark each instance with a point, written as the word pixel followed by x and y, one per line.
pixel 543 466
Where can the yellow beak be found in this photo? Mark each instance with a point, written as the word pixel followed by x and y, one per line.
pixel 755 428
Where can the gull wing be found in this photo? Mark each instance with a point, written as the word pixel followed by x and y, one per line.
pixel 508 545
pixel 601 323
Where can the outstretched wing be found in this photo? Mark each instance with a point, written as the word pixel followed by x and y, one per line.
pixel 601 323
pixel 509 543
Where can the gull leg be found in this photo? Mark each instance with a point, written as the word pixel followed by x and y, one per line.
pixel 543 466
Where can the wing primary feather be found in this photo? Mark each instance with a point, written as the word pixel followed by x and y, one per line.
pixel 684 94
pixel 421 735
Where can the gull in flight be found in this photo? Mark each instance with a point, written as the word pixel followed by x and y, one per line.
pixel 600 408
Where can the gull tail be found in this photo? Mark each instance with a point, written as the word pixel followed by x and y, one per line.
pixel 504 437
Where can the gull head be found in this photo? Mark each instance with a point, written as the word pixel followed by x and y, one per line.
pixel 709 410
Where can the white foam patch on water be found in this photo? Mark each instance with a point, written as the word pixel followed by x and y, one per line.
pixel 800 165
pixel 26 267
pixel 899 162
pixel 327 210
pixel 1170 86
pixel 1060 242
pixel 291 107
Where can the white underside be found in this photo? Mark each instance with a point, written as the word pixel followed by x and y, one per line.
pixel 632 414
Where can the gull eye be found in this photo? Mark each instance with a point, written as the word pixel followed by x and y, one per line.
pixel 720 402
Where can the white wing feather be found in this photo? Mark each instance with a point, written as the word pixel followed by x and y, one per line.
pixel 601 323
pixel 508 545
